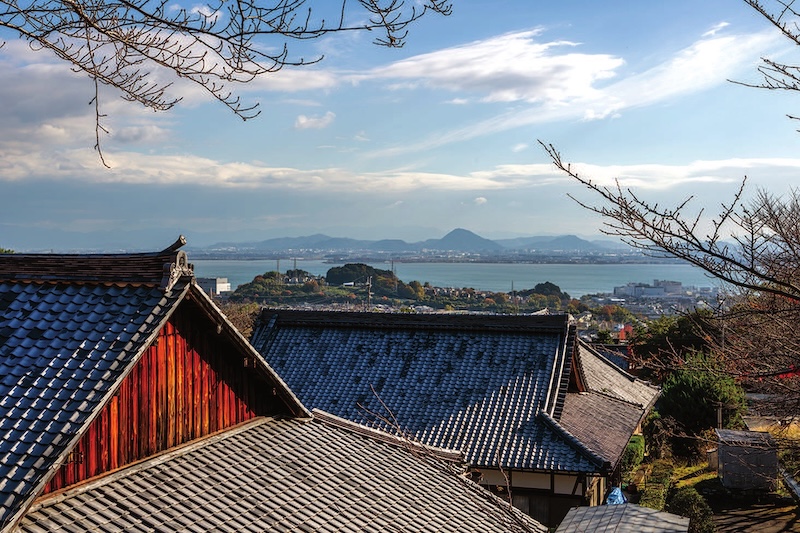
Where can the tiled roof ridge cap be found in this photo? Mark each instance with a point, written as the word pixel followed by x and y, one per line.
pixel 163 268
pixel 147 462
pixel 441 321
pixel 452 456
pixel 574 441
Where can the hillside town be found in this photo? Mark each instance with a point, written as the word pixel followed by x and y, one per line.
pixel 447 267
pixel 119 369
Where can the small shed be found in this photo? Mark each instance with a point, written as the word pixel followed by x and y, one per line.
pixel 748 460
pixel 625 518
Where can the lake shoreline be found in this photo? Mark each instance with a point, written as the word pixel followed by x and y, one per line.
pixel 576 279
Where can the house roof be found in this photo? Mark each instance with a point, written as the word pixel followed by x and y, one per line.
pixel 625 518
pixel 608 439
pixel 493 386
pixel 750 439
pixel 71 327
pixel 212 484
pixel 599 374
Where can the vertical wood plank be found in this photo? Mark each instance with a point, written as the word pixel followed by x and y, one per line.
pixel 113 437
pixel 186 385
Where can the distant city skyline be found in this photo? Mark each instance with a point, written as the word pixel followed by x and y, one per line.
pixel 408 144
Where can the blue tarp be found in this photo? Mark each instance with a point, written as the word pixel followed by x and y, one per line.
pixel 616 497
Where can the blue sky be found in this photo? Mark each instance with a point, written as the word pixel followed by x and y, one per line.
pixel 410 143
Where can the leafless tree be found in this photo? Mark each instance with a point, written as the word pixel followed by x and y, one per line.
pixel 124 43
pixel 784 15
pixel 752 246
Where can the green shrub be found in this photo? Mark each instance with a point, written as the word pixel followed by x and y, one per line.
pixel 691 395
pixel 689 503
pixel 633 455
pixel 657 485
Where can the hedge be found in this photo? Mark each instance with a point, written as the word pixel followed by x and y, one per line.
pixel 657 485
pixel 688 502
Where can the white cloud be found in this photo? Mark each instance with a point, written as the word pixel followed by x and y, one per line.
pixel 149 133
pixel 314 122
pixel 520 147
pixel 296 79
pixel 507 68
pixel 81 166
pixel 573 91
pixel 716 29
pixel 302 102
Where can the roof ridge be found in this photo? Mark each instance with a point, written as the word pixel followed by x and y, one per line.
pixel 574 441
pixel 369 320
pixel 420 450
pixel 163 268
pixel 416 447
pixel 559 378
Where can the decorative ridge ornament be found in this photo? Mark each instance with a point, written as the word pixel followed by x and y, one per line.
pixel 178 269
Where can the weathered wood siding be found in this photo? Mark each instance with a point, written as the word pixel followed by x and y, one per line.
pixel 189 384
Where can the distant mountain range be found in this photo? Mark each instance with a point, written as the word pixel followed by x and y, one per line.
pixel 458 240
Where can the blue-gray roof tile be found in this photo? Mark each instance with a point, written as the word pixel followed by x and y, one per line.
pixel 474 383
pixel 58 364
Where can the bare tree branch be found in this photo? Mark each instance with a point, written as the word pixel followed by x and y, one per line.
pixel 125 43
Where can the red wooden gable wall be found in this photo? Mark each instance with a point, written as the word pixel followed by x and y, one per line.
pixel 189 384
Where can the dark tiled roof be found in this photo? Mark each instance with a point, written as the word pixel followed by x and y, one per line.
pixel 625 518
pixel 162 268
pixel 63 348
pixel 281 475
pixel 474 383
pixel 70 328
pixel 608 439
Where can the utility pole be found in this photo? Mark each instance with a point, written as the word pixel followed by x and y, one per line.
pixel 369 293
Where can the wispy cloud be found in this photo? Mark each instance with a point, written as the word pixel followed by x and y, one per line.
pixel 716 29
pixel 80 166
pixel 507 68
pixel 572 86
pixel 520 147
pixel 304 122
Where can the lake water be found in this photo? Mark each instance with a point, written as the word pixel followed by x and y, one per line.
pixel 574 279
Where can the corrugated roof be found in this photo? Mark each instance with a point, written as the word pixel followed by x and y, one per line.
pixel 474 383
pixel 281 475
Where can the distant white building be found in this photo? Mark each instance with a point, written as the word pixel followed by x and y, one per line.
pixel 214 286
pixel 658 289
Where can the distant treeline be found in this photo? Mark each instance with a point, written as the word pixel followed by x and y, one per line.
pixel 356 282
